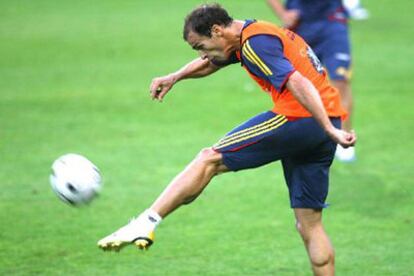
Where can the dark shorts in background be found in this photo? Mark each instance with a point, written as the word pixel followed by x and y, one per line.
pixel 330 42
pixel 303 147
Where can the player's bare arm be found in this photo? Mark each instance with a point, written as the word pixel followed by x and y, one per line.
pixel 305 92
pixel 197 68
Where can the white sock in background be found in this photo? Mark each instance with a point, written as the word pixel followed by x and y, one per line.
pixel 355 9
pixel 345 154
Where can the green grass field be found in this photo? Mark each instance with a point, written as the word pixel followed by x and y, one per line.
pixel 74 77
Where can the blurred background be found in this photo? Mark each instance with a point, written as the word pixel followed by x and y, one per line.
pixel 74 77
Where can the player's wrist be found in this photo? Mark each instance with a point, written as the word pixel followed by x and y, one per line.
pixel 175 77
pixel 329 129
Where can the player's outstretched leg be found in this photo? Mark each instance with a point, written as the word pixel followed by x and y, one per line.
pixel 318 246
pixel 187 185
pixel 183 189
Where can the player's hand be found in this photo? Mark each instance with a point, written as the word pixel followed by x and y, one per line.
pixel 342 137
pixel 290 18
pixel 160 86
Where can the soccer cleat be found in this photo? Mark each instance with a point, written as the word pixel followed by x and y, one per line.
pixel 346 155
pixel 134 233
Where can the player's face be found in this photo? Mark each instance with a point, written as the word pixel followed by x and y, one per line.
pixel 214 48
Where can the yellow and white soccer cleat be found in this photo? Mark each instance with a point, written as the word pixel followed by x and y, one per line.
pixel 134 233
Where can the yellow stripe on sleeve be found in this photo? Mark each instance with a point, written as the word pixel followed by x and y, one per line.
pixel 253 60
pixel 248 49
pixel 247 56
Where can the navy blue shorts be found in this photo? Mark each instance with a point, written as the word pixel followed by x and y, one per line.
pixel 330 42
pixel 303 147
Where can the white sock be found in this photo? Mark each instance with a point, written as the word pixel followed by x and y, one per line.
pixel 351 4
pixel 150 219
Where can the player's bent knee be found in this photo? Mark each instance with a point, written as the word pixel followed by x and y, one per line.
pixel 209 157
pixel 211 161
pixel 209 154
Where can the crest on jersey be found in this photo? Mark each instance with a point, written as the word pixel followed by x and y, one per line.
pixel 314 60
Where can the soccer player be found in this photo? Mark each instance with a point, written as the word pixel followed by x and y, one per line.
pixel 301 130
pixel 323 25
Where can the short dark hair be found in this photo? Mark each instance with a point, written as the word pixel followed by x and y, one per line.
pixel 202 18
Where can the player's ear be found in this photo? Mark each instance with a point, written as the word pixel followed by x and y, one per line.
pixel 216 31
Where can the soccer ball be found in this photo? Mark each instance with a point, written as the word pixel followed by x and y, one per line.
pixel 75 179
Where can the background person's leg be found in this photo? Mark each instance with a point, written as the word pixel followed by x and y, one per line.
pixel 317 243
pixel 337 59
pixel 344 87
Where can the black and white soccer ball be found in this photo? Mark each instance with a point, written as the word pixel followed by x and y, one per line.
pixel 75 179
